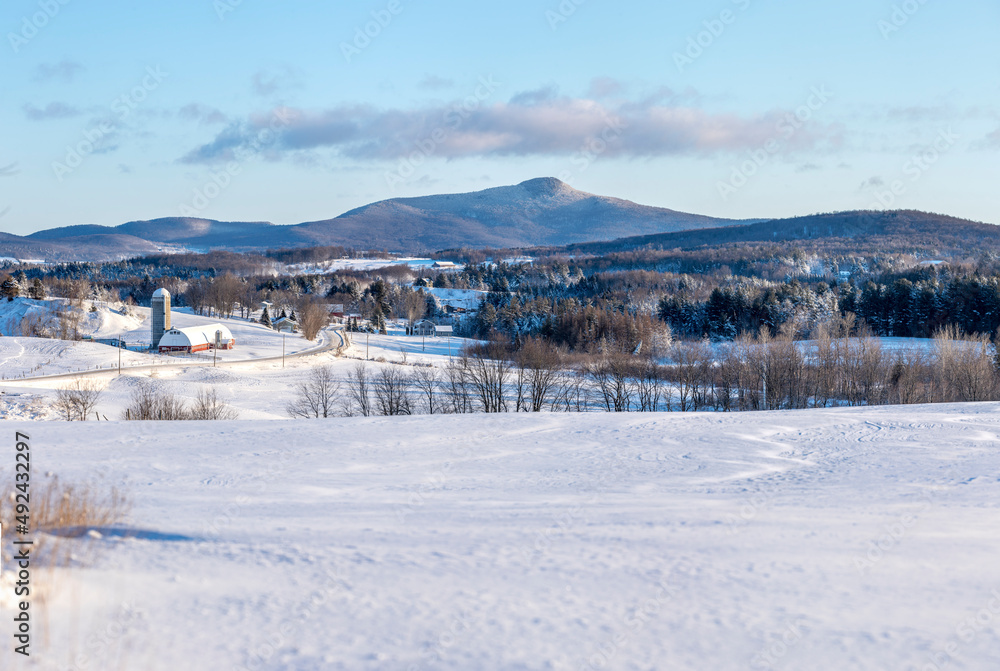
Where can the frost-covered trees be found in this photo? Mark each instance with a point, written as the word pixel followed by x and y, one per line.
pixel 36 290
pixel 9 289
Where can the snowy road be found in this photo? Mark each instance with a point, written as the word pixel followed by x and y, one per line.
pixel 136 365
pixel 831 539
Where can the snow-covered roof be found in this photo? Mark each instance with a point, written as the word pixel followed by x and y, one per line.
pixel 195 335
pixel 161 292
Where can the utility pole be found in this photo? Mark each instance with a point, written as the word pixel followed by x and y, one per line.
pixel 764 358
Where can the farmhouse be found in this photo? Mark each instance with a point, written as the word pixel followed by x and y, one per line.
pixel 196 339
pixel 427 328
pixel 424 327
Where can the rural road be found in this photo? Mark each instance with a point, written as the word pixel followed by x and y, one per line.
pixel 326 344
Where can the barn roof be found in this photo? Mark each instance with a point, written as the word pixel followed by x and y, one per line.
pixel 193 336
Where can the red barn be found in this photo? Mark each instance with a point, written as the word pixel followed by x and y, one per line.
pixel 196 339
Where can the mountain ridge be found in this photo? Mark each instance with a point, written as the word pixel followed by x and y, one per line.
pixel 898 231
pixel 537 213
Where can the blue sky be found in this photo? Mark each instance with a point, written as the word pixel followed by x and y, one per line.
pixel 290 112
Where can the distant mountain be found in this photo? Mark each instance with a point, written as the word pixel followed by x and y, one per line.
pixel 899 231
pixel 180 231
pixel 81 247
pixel 541 211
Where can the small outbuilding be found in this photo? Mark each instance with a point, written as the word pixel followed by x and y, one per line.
pixel 196 339
pixel 285 325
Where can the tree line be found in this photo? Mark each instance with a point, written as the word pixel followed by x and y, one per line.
pixel 761 372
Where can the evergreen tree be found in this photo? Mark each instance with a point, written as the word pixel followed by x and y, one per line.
pixel 378 319
pixel 10 289
pixel 283 314
pixel 292 316
pixel 265 318
pixel 37 289
pixel 431 308
pixel 22 281
pixel 379 291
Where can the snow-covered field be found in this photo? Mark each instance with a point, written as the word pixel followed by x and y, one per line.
pixel 831 539
pixel 24 357
pixel 257 389
pixel 820 539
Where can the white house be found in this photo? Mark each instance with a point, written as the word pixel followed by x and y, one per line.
pixel 424 327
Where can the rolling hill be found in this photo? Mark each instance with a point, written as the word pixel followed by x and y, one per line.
pixel 898 231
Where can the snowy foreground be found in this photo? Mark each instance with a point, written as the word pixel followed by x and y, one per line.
pixel 830 539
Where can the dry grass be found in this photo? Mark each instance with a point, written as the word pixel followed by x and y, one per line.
pixel 59 511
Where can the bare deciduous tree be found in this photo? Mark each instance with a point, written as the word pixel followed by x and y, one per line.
pixel 571 393
pixel 459 386
pixel 691 363
pixel 537 364
pixel 359 391
pixel 909 378
pixel 613 377
pixel 207 405
pixel 68 323
pixel 649 385
pixel 413 305
pixel 149 402
pixel 391 396
pixel 489 373
pixel 313 317
pixel 224 293
pixel 316 396
pixel 77 400
pixel 965 366
pixel 426 381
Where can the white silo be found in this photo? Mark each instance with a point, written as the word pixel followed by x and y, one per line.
pixel 159 316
